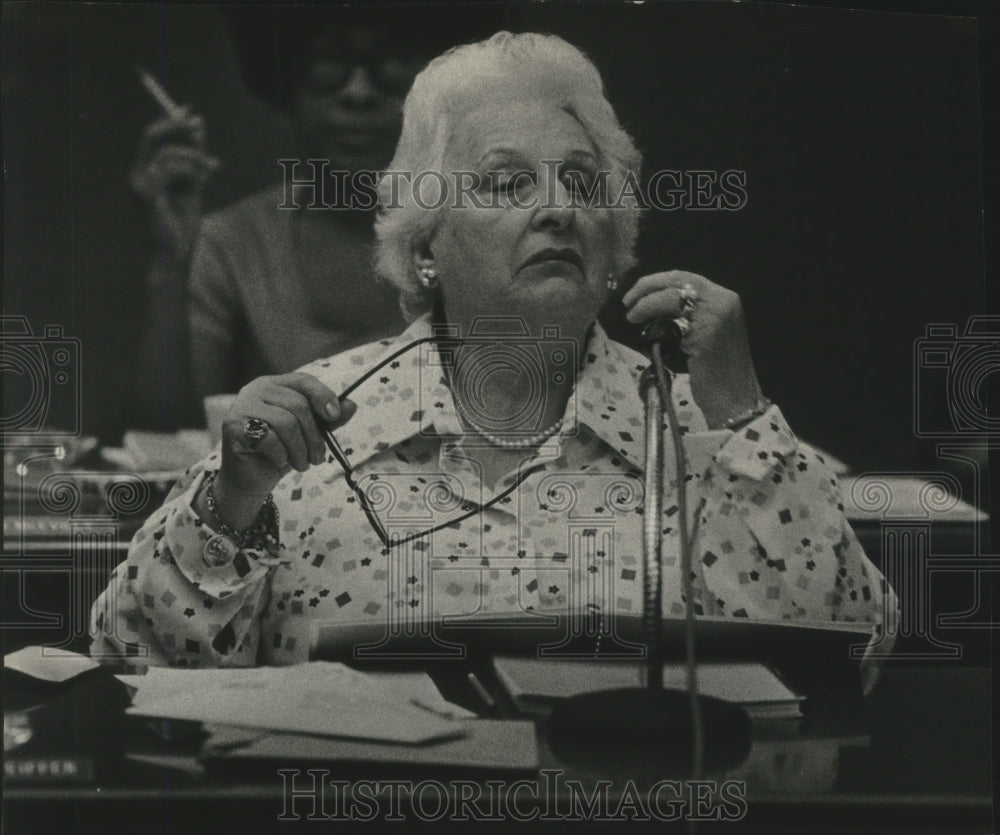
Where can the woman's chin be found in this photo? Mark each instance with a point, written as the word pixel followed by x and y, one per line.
pixel 569 289
pixel 551 301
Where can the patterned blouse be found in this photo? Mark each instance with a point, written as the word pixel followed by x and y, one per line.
pixel 560 533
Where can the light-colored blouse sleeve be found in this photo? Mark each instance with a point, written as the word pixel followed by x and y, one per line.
pixel 167 601
pixel 772 541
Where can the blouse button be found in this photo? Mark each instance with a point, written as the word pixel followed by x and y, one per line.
pixel 219 551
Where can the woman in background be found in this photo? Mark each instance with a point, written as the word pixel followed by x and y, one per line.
pixel 283 276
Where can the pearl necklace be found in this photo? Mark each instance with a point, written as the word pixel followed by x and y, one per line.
pixel 518 443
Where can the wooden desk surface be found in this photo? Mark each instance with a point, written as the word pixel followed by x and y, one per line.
pixel 916 758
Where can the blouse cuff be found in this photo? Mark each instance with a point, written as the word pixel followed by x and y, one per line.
pixel 207 559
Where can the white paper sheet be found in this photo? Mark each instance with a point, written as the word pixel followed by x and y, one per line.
pixel 49 664
pixel 323 698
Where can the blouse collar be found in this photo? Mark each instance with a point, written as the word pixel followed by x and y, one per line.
pixel 404 393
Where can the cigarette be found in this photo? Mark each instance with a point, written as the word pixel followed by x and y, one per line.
pixel 170 107
pixel 481 691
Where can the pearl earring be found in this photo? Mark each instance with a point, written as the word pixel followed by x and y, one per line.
pixel 428 277
pixel 612 283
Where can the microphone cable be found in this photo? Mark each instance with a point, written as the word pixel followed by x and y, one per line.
pixel 663 383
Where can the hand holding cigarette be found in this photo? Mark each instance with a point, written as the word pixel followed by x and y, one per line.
pixel 170 107
pixel 170 171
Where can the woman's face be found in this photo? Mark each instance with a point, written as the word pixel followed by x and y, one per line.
pixel 516 244
pixel 348 102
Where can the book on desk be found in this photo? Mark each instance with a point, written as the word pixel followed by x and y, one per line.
pixel 61 732
pixel 804 654
pixel 536 686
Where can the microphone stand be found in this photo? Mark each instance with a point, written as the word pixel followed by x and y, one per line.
pixel 654 731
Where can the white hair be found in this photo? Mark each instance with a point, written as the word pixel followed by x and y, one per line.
pixel 535 66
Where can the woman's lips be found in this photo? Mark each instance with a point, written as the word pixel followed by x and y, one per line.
pixel 563 255
pixel 552 267
pixel 358 138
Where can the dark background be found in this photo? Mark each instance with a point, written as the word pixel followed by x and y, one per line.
pixel 859 133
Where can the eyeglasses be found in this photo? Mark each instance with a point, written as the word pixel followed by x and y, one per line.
pixel 389 73
pixel 363 501
pixel 338 453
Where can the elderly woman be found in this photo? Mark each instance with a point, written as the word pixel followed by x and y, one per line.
pixel 481 456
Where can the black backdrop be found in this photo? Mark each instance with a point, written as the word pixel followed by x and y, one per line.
pixel 859 133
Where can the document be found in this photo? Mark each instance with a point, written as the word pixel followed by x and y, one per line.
pixel 489 744
pixel 149 452
pixel 48 663
pixel 324 698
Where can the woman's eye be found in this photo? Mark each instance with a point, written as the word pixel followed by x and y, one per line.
pixel 511 182
pixel 578 181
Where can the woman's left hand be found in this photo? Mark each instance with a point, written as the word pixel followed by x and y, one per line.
pixel 723 380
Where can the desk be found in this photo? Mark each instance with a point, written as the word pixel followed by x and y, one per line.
pixel 915 759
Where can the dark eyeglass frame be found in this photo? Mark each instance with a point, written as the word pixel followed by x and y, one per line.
pixel 341 458
pixel 376 67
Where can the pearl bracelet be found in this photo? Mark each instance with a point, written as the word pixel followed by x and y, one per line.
pixel 751 414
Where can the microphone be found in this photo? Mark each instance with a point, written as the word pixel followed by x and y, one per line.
pixel 652 729
pixel 666 333
pixel 663 331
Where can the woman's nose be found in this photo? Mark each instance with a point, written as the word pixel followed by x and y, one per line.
pixel 358 90
pixel 555 206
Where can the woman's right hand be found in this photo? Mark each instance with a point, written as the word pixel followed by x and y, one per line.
pixel 297 409
pixel 169 175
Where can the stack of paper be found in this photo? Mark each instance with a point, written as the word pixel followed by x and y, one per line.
pixel 49 663
pixel 157 452
pixel 906 497
pixel 535 685
pixel 489 745
pixel 324 698
pixel 62 718
pixel 327 712
pixel 837 467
